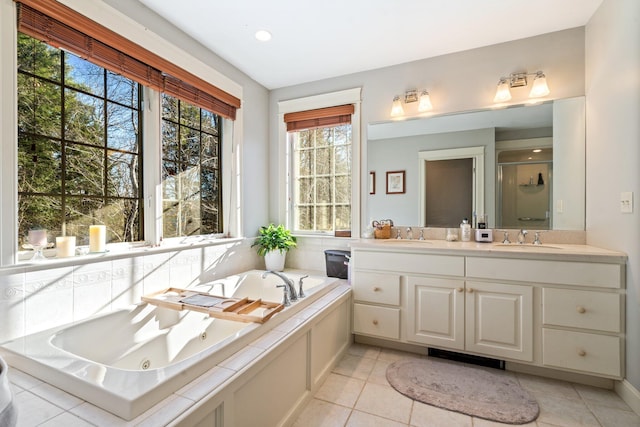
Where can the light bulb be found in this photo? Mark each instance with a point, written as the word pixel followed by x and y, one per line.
pixel 539 87
pixel 503 94
pixel 396 107
pixel 425 102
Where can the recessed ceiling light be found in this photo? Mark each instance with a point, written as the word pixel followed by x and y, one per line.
pixel 537 150
pixel 263 35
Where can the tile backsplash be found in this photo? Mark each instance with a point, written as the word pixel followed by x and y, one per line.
pixel 35 297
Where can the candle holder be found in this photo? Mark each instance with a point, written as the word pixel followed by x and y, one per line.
pixel 37 241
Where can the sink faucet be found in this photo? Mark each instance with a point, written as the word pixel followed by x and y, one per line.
pixel 521 236
pixel 291 289
pixel 536 239
pixel 409 233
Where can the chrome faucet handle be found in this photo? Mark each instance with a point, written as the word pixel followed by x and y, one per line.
pixel 300 290
pixel 506 240
pixel 421 234
pixel 522 235
pixel 398 236
pixel 285 299
pixel 536 238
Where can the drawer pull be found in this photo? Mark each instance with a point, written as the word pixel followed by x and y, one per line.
pixel 470 290
pixel 580 309
pixel 376 289
pixel 460 289
pixel 582 353
pixel 375 322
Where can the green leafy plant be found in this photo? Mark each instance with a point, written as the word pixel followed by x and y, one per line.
pixel 273 238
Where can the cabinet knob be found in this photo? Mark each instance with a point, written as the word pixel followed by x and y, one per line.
pixel 376 289
pixel 582 353
pixel 460 289
pixel 580 309
pixel 470 290
pixel 375 322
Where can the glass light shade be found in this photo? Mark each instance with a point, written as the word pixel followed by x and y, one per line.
pixel 503 94
pixel 425 102
pixel 396 107
pixel 539 87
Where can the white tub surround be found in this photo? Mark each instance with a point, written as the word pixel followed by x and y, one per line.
pixel 557 308
pixel 8 414
pixel 128 360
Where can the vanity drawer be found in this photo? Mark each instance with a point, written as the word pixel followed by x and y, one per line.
pixel 557 272
pixel 445 265
pixel 382 322
pixel 591 353
pixel 581 309
pixel 378 288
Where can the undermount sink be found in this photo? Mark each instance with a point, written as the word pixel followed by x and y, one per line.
pixel 524 246
pixel 407 241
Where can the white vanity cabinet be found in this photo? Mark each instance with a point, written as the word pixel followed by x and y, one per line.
pixel 560 312
pixel 481 317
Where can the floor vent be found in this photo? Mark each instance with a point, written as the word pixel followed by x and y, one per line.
pixel 466 358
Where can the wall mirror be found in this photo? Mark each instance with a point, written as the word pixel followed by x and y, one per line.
pixel 513 185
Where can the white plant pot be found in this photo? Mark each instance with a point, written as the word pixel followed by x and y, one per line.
pixel 274 260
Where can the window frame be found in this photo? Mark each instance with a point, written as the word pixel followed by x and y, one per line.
pixel 286 161
pixel 152 195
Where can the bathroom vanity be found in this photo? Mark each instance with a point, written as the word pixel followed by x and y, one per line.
pixel 557 306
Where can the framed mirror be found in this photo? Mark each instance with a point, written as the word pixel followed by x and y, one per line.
pixel 546 191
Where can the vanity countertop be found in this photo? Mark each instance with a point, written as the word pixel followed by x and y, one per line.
pixel 552 251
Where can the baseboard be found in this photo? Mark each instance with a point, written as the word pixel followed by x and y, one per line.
pixel 629 394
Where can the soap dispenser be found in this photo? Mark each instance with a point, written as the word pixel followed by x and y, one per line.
pixel 465 230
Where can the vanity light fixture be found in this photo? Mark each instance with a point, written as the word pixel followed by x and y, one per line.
pixel 423 100
pixel 539 86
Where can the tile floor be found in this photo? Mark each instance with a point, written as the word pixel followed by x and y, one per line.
pixel 357 394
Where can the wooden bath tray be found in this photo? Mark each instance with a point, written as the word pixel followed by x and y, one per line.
pixel 238 309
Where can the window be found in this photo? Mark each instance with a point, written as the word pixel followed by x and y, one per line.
pixel 319 188
pixel 321 178
pixel 191 169
pixel 79 145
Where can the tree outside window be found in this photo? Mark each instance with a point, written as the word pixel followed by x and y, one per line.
pixel 79 146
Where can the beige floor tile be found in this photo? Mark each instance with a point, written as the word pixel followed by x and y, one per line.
pixel 384 401
pixel 362 419
pixel 612 417
pixel 364 350
pixel 601 396
pixel 424 415
pixel 341 390
pixel 564 412
pixel 355 366
pixel 547 387
pixel 378 374
pixel 319 413
pixel 479 422
pixel 393 355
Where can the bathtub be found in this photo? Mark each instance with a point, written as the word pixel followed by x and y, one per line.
pixel 128 360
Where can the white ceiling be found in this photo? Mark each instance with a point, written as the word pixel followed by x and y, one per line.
pixel 314 40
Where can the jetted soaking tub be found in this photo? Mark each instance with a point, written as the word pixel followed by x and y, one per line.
pixel 128 360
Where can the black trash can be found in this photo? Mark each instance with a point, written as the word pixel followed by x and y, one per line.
pixel 337 263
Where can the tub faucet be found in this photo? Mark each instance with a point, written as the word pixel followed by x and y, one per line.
pixel 521 236
pixel 409 233
pixel 291 289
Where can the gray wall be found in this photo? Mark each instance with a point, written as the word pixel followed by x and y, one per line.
pixel 613 150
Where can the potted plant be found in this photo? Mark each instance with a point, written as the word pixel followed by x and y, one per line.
pixel 273 243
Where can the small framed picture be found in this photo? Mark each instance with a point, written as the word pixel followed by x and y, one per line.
pixel 395 182
pixel 372 183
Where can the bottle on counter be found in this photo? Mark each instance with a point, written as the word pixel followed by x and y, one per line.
pixel 465 231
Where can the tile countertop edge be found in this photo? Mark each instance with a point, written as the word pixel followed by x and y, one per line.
pixel 555 251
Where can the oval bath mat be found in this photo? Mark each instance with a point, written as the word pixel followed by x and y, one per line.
pixel 477 391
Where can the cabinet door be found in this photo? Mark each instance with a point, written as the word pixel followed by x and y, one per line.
pixel 435 312
pixel 499 320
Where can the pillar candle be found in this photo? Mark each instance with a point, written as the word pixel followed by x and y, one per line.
pixel 97 238
pixel 66 246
